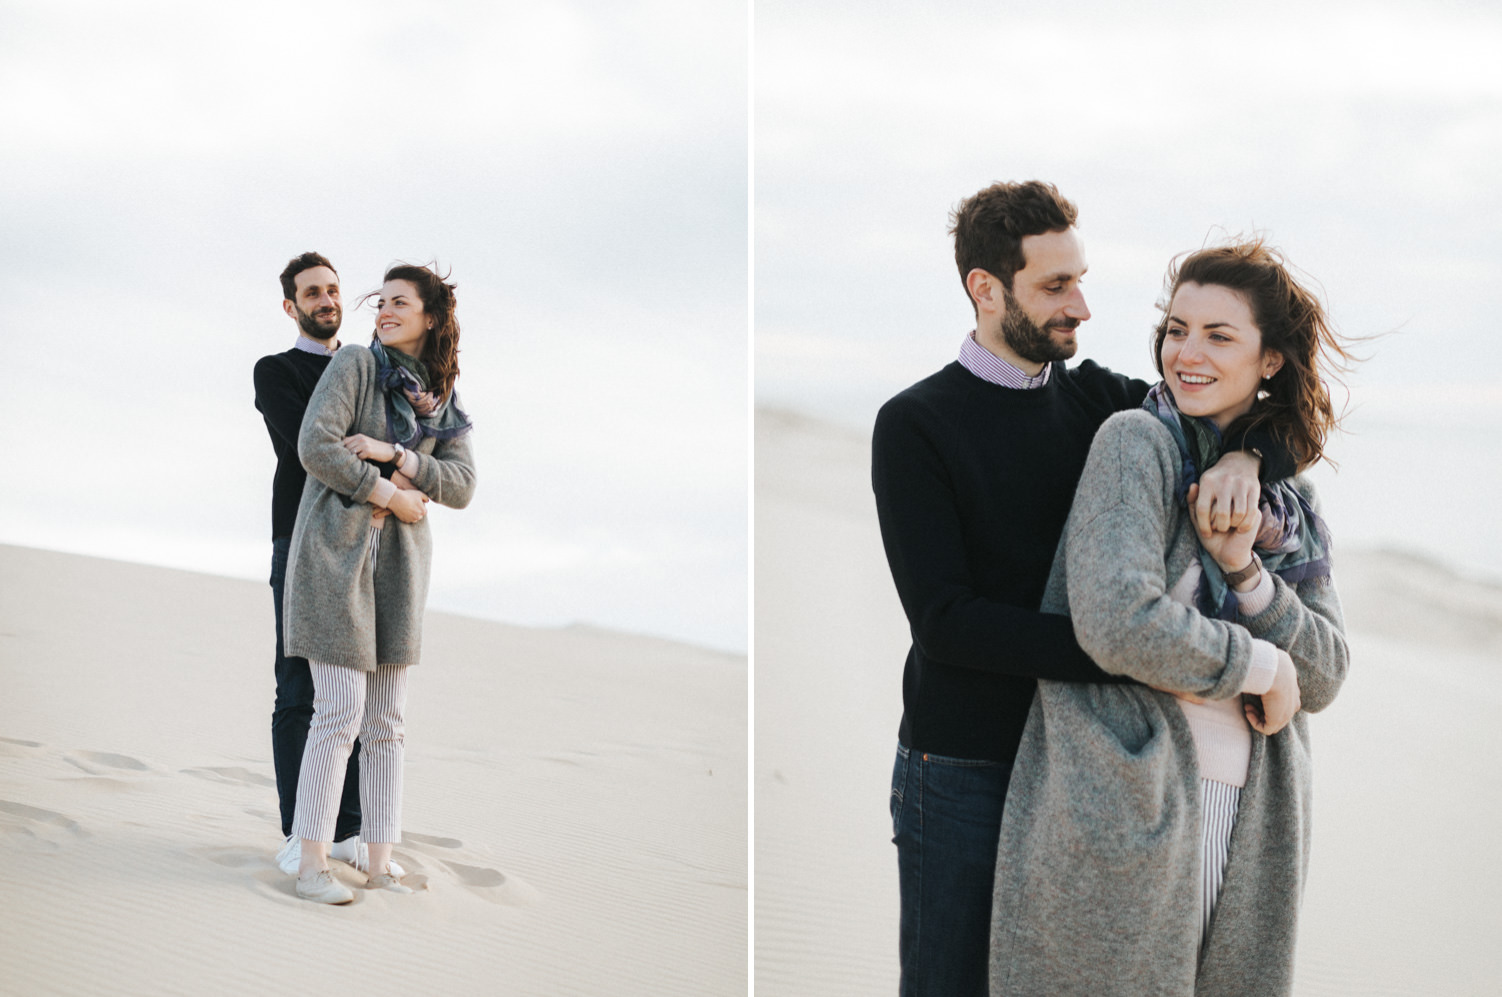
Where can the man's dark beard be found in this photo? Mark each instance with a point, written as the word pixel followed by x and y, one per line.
pixel 310 327
pixel 1030 341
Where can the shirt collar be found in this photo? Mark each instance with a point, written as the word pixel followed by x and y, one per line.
pixel 314 347
pixel 989 367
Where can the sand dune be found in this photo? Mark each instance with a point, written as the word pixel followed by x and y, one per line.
pixel 575 805
pixel 1403 882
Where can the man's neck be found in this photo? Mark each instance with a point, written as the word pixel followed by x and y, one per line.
pixel 994 344
pixel 311 345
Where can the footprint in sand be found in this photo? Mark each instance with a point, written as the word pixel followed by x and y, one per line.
pixel 104 762
pixel 234 858
pixel 483 881
pixel 14 747
pixel 34 826
pixel 494 885
pixel 232 775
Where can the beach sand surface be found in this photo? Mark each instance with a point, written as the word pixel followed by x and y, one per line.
pixel 575 806
pixel 1403 885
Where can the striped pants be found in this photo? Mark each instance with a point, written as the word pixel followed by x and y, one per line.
pixel 1218 803
pixel 348 703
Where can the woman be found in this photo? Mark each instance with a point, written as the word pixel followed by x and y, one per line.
pixel 384 433
pixel 1155 845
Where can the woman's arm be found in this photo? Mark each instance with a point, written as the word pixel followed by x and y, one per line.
pixel 1303 620
pixel 1115 543
pixel 1306 621
pixel 447 475
pixel 330 416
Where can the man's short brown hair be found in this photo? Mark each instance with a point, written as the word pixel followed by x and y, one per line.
pixel 295 266
pixel 989 227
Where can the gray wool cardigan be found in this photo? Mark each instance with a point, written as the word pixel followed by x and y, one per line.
pixel 338 610
pixel 1097 877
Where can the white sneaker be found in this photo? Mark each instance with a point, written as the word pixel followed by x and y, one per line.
pixel 290 857
pixel 386 882
pixel 323 888
pixel 357 853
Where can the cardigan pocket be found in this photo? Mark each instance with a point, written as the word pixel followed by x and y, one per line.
pixel 1114 768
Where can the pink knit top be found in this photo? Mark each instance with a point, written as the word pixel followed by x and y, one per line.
pixel 1222 736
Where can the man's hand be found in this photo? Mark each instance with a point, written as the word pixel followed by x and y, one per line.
pixel 1226 493
pixel 365 448
pixel 401 481
pixel 408 505
pixel 1233 550
pixel 1278 704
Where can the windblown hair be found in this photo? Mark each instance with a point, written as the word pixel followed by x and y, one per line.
pixel 1294 404
pixel 440 352
pixel 295 266
pixel 989 226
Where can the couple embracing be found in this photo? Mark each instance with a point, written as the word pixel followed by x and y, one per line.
pixel 1121 608
pixel 365 437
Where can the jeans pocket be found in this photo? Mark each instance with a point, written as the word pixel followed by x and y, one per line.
pixel 900 769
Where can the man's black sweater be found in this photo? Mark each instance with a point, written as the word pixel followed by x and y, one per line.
pixel 973 486
pixel 284 383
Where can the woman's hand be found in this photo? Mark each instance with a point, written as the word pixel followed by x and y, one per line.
pixel 408 504
pixel 401 481
pixel 1278 704
pixel 366 448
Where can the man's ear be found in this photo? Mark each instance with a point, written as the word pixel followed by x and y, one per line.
pixel 986 291
pixel 289 308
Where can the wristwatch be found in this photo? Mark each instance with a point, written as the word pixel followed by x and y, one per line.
pixel 1234 578
pixel 401 455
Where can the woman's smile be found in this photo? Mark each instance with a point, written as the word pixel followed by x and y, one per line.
pixel 400 320
pixel 1213 353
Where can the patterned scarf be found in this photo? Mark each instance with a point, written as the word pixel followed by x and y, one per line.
pixel 1292 542
pixel 412 410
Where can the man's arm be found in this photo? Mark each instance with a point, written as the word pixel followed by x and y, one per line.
pixel 925 546
pixel 279 399
pixel 1228 490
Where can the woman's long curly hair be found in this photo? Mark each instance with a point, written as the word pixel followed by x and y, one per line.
pixel 440 351
pixel 1294 404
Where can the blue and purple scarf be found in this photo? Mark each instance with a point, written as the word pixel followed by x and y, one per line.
pixel 412 410
pixel 1292 542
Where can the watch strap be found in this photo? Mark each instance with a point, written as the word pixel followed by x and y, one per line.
pixel 1234 578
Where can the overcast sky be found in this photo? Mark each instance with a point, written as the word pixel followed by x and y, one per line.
pixel 1363 139
pixel 580 166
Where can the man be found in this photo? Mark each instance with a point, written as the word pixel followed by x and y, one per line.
pixel 974 470
pixel 284 382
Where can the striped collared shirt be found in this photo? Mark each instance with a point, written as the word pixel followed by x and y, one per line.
pixel 314 346
pixel 989 367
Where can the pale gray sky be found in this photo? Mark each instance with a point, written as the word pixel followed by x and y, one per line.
pixel 1364 139
pixel 581 167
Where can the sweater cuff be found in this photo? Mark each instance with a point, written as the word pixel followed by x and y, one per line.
pixel 1259 598
pixel 381 494
pixel 1264 668
pixel 409 464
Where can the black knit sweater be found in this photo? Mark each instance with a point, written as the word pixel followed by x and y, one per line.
pixel 284 383
pixel 973 485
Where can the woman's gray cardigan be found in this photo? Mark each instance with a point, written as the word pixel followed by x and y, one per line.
pixel 1097 874
pixel 338 610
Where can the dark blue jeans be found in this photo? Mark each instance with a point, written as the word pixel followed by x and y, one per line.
pixel 946 818
pixel 293 714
